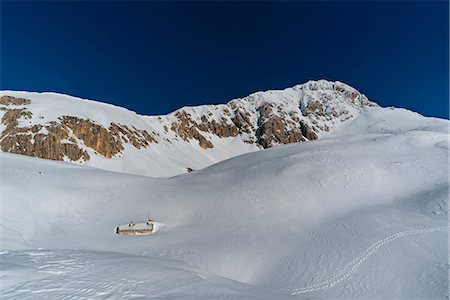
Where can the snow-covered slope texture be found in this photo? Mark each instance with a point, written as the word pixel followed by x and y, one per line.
pixel 61 127
pixel 353 216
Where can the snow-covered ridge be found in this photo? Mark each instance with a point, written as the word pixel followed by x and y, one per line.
pixel 360 215
pixel 62 127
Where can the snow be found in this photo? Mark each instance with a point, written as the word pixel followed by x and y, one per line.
pixel 360 214
pixel 47 106
pixel 171 155
pixel 67 274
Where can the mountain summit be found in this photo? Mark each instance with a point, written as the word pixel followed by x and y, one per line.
pixel 360 213
pixel 60 127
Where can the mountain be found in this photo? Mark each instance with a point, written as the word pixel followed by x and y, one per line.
pixel 360 214
pixel 65 128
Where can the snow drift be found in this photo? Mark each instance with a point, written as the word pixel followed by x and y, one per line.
pixel 360 214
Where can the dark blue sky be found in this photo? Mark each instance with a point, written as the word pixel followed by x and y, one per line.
pixel 154 57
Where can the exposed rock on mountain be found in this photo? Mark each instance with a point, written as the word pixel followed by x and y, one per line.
pixel 60 127
pixel 9 100
pixel 65 137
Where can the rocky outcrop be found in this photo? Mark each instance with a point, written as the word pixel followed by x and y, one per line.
pixel 9 100
pixel 274 132
pixel 274 126
pixel 307 132
pixel 138 138
pixel 188 129
pixel 241 120
pixel 281 128
pixel 262 119
pixel 93 135
pixel 68 138
pixel 39 141
pixel 314 107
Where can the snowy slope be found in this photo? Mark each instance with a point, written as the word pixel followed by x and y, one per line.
pixel 360 214
pixel 168 145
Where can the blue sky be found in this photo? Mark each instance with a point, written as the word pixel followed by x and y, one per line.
pixel 154 57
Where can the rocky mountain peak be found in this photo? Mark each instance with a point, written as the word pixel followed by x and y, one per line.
pixel 61 127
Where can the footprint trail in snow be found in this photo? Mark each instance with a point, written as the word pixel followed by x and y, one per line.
pixel 350 268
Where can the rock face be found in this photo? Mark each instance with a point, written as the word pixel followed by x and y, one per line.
pixel 62 139
pixel 260 120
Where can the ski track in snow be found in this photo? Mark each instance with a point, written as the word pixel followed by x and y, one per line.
pixel 351 267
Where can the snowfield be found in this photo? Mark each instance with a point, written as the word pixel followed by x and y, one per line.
pixel 322 106
pixel 361 214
